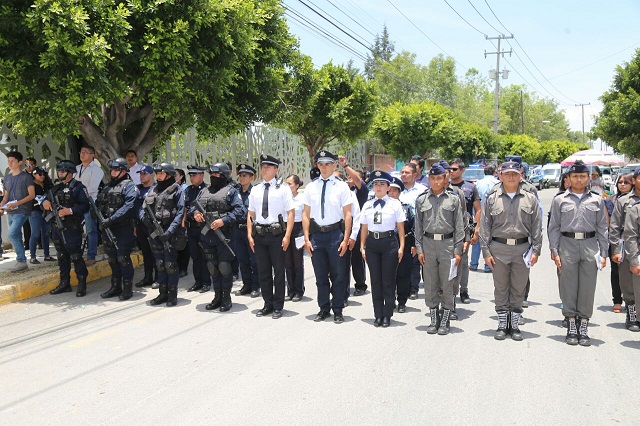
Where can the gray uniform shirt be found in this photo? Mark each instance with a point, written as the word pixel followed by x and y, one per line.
pixel 631 233
pixel 617 223
pixel 439 215
pixel 572 214
pixel 506 217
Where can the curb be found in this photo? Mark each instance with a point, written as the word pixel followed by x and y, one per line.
pixel 25 290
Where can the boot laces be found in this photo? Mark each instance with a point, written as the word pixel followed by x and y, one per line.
pixel 502 320
pixel 632 313
pixel 572 326
pixel 583 326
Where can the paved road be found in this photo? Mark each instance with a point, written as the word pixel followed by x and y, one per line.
pixel 65 360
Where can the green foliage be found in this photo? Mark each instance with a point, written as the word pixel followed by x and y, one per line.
pixel 126 73
pixel 522 145
pixel 472 141
pixel 401 80
pixel 619 121
pixel 474 100
pixel 381 52
pixel 441 81
pixel 554 151
pixel 327 104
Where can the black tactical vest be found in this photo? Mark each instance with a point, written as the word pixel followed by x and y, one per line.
pixel 110 199
pixel 216 202
pixel 163 204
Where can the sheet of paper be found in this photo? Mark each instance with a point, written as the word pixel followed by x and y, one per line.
pixel 453 270
pixel 526 256
pixel 598 261
pixel 299 242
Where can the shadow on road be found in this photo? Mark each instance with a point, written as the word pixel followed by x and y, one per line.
pixel 633 344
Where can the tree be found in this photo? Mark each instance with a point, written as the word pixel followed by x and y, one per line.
pixel 554 151
pixel 441 80
pixel 401 80
pixel 327 104
pixel 474 101
pixel 522 145
pixel 405 130
pixel 126 73
pixel 471 142
pixel 618 124
pixel 381 51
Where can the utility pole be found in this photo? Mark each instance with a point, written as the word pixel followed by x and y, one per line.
pixel 582 105
pixel 504 73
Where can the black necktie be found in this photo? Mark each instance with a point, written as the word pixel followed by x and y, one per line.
pixel 265 201
pixel 379 201
pixel 324 187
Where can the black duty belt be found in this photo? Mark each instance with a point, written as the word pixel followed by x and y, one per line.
pixel 328 228
pixel 380 235
pixel 511 241
pixel 273 229
pixel 438 237
pixel 579 235
pixel 242 226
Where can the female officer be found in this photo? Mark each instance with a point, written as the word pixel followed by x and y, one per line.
pixel 381 218
pixel 294 256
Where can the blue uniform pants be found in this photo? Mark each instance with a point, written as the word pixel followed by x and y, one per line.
pixel 120 259
pixel 326 260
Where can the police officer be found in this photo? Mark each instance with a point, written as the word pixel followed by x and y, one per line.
pixel 577 234
pixel 70 203
pixel 142 233
pixel 116 202
pixel 510 228
pixel 439 231
pixel 223 206
pixel 194 229
pixel 325 216
pixel 616 230
pixel 246 257
pixel 403 275
pixel 382 241
pixel 166 203
pixel 631 237
pixel 269 236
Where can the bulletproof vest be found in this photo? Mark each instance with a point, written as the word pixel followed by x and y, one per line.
pixel 216 202
pixel 110 199
pixel 64 194
pixel 163 204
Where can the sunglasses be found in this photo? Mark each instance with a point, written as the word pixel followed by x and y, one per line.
pixel 454 169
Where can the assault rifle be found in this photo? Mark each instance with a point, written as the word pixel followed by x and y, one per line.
pixel 54 215
pixel 107 232
pixel 209 218
pixel 158 231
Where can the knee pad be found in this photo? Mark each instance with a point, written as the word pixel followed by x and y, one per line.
pixel 225 269
pixel 63 257
pixel 76 257
pixel 160 266
pixel 171 267
pixel 213 269
pixel 113 262
pixel 125 261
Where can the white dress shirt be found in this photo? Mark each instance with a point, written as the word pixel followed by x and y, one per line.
pixel 280 202
pixel 388 216
pixel 90 176
pixel 133 173
pixel 355 217
pixel 337 195
pixel 409 196
pixel 298 206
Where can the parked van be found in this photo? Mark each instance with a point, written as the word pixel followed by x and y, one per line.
pixel 552 173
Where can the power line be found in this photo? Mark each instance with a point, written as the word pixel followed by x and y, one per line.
pixel 594 62
pixel 474 8
pixel 350 17
pixel 461 17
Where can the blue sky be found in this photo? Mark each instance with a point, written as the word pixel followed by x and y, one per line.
pixel 574 44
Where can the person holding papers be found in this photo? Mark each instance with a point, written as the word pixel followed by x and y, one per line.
pixel 579 244
pixel 439 234
pixel 510 226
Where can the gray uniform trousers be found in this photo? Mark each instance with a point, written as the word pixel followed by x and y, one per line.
pixel 510 276
pixel 438 289
pixel 462 280
pixel 626 283
pixel 578 276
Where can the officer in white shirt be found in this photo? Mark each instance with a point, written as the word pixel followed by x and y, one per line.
pixel 132 161
pixel 90 174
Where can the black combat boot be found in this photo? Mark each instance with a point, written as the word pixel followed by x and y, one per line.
pixel 146 281
pixel 572 332
pixel 501 332
pixel 160 298
pixel 583 337
pixel 632 319
pixel 127 290
pixel 515 329
pixel 172 299
pixel 63 287
pixel 244 290
pixel 195 287
pixel 226 300
pixel 114 290
pixel 434 313
pixel 443 330
pixel 216 302
pixel 81 291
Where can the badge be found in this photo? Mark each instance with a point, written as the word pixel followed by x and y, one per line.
pixel 377 218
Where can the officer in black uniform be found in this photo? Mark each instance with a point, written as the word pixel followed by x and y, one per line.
pixel 71 202
pixel 116 202
pixel 194 229
pixel 167 204
pixel 223 207
pixel 142 233
pixel 246 257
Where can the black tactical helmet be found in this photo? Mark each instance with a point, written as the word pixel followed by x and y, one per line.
pixel 165 167
pixel 222 168
pixel 66 166
pixel 118 164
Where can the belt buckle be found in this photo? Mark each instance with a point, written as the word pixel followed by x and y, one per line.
pixel 376 235
pixel 579 235
pixel 512 241
pixel 438 237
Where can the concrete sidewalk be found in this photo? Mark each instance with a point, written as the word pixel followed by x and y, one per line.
pixel 42 278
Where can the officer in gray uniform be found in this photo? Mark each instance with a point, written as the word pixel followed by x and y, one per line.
pixel 510 226
pixel 577 235
pixel 631 236
pixel 617 241
pixel 439 234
